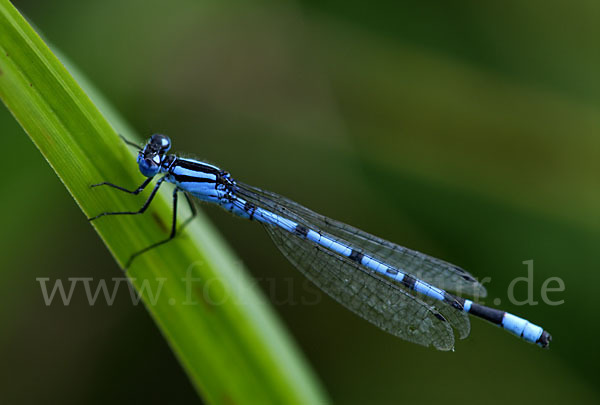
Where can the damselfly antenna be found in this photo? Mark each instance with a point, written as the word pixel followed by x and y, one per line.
pixel 130 143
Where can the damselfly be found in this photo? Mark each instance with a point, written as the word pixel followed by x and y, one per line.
pixel 403 292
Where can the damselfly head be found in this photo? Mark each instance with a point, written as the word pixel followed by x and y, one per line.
pixel 150 158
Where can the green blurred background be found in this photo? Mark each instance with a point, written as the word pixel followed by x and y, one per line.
pixel 468 130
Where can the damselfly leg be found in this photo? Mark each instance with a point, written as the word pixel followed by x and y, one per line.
pixel 173 233
pixel 141 210
pixel 135 192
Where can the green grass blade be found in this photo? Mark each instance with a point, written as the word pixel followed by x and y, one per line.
pixel 223 332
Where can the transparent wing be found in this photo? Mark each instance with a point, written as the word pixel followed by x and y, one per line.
pixel 384 304
pixel 388 305
pixel 434 271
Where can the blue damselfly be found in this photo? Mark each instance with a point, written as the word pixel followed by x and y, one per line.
pixel 403 292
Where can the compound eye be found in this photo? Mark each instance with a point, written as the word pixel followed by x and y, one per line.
pixel 161 141
pixel 165 144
